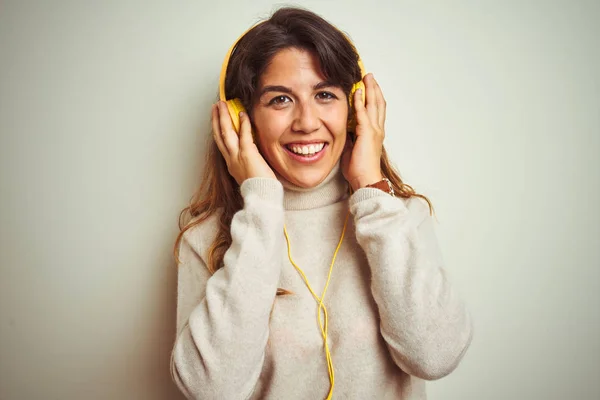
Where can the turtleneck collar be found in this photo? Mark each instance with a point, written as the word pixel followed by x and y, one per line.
pixel 333 189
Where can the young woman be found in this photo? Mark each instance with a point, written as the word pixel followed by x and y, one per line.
pixel 308 269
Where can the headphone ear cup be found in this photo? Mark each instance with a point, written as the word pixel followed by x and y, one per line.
pixel 234 106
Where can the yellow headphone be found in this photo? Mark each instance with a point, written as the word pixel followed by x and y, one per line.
pixel 235 105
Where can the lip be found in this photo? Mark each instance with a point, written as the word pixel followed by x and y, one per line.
pixel 304 159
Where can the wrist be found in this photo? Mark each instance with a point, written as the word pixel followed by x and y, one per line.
pixel 365 180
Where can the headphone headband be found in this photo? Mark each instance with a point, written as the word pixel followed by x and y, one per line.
pixel 223 74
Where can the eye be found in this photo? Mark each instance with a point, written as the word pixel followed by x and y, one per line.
pixel 279 100
pixel 326 96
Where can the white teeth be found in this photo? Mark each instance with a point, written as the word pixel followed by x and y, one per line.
pixel 307 150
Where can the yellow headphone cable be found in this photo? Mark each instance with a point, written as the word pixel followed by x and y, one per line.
pixel 322 324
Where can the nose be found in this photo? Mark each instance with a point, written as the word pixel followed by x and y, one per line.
pixel 306 118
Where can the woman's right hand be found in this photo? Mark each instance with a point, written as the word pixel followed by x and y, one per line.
pixel 240 152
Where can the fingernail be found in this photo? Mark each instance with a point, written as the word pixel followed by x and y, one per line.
pixel 242 114
pixel 359 91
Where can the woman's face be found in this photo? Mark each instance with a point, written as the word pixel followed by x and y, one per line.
pixel 300 118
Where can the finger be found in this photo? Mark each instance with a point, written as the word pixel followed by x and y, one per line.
pixel 381 104
pixel 216 127
pixel 245 132
pixel 371 98
pixel 230 138
pixel 359 109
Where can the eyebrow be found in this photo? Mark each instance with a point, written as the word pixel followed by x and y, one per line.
pixel 284 89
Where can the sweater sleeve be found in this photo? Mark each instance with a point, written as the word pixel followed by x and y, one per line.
pixel 223 319
pixel 423 321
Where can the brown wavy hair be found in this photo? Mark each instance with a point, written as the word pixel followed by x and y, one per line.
pixel 288 27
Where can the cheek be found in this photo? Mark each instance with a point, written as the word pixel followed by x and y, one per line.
pixel 338 121
pixel 269 127
pixel 339 114
pixel 338 124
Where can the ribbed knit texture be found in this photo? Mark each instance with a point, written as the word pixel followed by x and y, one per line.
pixel 394 320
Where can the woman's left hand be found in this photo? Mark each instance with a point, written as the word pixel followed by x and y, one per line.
pixel 361 160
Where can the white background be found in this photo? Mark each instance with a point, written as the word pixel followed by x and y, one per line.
pixel 493 112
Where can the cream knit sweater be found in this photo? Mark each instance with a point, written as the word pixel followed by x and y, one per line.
pixel 394 319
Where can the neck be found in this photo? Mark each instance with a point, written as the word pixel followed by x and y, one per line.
pixel 332 189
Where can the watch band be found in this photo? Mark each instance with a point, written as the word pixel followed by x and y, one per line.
pixel 384 185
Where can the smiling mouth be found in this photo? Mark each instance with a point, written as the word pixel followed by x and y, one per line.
pixel 306 150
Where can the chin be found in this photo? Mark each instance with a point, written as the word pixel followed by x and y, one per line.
pixel 304 173
pixel 307 179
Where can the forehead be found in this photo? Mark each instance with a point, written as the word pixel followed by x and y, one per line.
pixel 292 67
